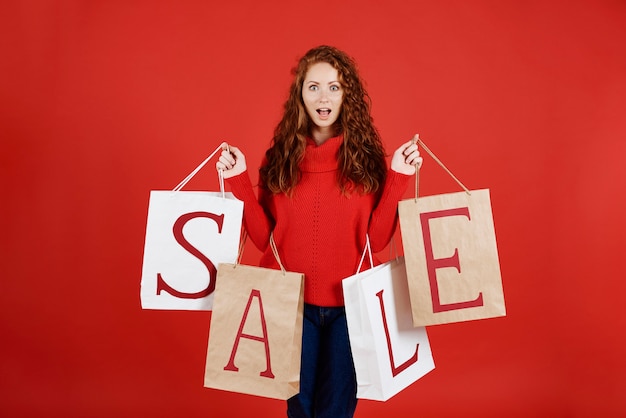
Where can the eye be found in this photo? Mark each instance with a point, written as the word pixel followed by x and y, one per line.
pixel 335 87
pixel 313 87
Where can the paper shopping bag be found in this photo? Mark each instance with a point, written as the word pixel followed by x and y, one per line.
pixel 389 353
pixel 451 257
pixel 187 235
pixel 255 337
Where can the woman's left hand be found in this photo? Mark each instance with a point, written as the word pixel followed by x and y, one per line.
pixel 406 159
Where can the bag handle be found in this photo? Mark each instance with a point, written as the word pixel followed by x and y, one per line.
pixel 199 167
pixel 368 250
pixel 275 251
pixel 242 243
pixel 393 250
pixel 272 245
pixel 421 143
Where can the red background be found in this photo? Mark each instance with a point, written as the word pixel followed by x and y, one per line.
pixel 102 101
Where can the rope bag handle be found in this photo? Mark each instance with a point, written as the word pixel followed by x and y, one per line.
pixel 438 161
pixel 200 166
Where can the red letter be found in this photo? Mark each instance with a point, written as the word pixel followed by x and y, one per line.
pixel 231 363
pixel 394 370
pixel 434 264
pixel 180 238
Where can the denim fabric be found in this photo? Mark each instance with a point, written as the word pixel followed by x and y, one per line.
pixel 327 377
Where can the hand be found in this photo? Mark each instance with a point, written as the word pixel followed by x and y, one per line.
pixel 406 159
pixel 232 162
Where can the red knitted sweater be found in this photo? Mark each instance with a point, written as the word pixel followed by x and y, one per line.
pixel 319 231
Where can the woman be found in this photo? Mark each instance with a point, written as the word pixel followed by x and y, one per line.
pixel 324 186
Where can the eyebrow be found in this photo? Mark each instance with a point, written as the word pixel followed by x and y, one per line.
pixel 317 82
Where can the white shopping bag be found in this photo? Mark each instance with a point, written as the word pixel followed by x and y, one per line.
pixel 389 353
pixel 187 235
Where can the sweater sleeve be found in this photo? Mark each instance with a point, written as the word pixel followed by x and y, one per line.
pixel 385 215
pixel 256 217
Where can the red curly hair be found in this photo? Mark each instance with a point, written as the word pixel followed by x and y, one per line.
pixel 361 156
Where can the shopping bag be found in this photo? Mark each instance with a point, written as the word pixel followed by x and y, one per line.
pixel 188 233
pixel 255 337
pixel 389 353
pixel 452 259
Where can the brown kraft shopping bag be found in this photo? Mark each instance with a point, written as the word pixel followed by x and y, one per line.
pixel 451 256
pixel 255 337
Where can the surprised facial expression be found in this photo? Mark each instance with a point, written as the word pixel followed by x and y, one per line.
pixel 322 95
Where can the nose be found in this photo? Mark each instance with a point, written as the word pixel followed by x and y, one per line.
pixel 324 95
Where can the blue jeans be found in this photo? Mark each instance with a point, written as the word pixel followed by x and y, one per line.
pixel 327 377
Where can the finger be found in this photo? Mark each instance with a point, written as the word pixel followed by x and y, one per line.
pixel 407 144
pixel 228 157
pixel 222 162
pixel 417 162
pixel 227 161
pixel 236 152
pixel 413 159
pixel 410 149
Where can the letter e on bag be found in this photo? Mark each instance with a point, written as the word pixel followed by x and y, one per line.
pixel 451 258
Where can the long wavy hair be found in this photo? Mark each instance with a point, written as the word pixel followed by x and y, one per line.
pixel 361 156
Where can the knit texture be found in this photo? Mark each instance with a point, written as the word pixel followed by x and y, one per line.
pixel 319 231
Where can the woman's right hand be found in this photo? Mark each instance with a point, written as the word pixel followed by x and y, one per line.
pixel 232 162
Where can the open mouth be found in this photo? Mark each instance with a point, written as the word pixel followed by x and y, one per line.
pixel 324 112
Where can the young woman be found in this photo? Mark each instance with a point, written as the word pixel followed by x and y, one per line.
pixel 323 187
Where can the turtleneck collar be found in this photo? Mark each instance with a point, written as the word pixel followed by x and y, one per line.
pixel 321 158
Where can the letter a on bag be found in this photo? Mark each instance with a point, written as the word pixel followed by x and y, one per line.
pixel 451 258
pixel 254 294
pixel 255 337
